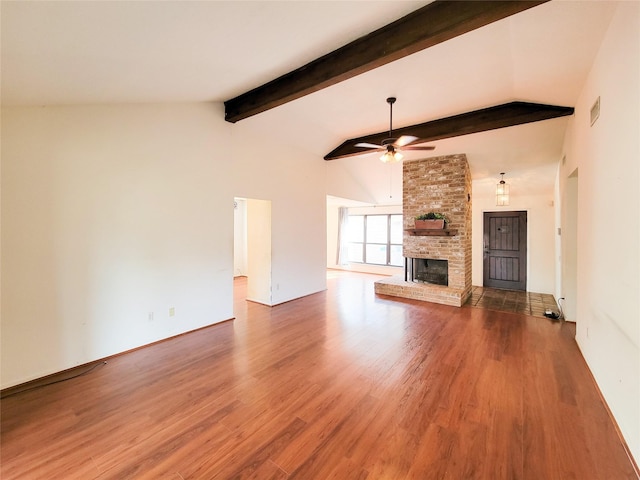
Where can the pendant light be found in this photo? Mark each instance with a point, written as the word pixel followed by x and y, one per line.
pixel 502 192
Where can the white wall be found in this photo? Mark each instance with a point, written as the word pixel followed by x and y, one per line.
pixel 259 251
pixel 111 216
pixel 110 213
pixel 332 235
pixel 608 258
pixel 365 179
pixel 540 233
pixel 569 247
pixel 239 237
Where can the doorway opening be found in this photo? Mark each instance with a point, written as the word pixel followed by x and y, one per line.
pixel 252 247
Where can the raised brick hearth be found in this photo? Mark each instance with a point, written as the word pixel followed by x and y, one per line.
pixel 439 184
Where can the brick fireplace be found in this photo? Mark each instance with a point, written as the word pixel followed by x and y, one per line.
pixel 438 184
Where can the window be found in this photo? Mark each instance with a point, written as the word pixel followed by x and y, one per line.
pixel 375 239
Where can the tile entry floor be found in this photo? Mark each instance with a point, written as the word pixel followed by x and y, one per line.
pixel 528 303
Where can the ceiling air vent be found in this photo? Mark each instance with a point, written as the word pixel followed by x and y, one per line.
pixel 595 111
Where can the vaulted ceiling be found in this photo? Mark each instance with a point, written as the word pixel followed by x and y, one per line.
pixel 70 53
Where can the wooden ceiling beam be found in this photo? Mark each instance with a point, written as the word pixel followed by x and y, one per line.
pixel 500 116
pixel 432 24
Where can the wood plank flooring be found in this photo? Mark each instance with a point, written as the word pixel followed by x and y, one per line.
pixel 337 385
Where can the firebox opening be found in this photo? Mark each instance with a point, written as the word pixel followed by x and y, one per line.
pixel 428 270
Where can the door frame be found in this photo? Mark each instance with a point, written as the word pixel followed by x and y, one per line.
pixel 569 248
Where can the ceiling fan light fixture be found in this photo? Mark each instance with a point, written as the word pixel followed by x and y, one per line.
pixel 391 145
pixel 391 155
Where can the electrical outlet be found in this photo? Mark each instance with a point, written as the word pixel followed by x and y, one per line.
pixel 172 312
pixel 151 316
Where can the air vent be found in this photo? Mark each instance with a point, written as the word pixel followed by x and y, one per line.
pixel 595 111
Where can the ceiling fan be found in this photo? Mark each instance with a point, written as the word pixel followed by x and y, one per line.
pixel 391 146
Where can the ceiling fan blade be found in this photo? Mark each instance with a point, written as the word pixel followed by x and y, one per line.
pixel 428 147
pixel 405 140
pixel 368 145
pixel 417 141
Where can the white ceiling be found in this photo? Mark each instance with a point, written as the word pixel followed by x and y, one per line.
pixel 94 52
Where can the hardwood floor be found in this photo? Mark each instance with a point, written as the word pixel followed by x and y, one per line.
pixel 337 385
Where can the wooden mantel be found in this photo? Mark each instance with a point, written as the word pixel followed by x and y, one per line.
pixel 439 232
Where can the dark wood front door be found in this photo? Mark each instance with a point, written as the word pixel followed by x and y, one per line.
pixel 505 250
